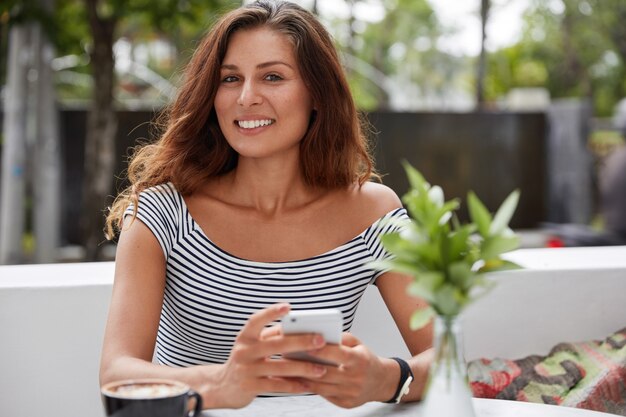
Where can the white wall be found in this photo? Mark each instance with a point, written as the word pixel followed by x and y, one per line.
pixel 52 320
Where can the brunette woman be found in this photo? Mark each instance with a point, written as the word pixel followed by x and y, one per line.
pixel 256 200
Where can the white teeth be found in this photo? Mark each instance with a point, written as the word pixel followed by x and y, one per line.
pixel 251 124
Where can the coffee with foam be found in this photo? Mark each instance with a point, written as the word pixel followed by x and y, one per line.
pixel 147 390
pixel 150 398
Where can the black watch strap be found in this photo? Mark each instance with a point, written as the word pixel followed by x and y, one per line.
pixel 406 376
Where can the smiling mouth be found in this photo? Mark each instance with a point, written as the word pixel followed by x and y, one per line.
pixel 252 124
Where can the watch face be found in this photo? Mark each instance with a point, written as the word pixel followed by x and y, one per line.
pixel 405 388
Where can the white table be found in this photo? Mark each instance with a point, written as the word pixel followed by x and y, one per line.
pixel 315 406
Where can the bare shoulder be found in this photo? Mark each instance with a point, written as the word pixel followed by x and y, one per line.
pixel 378 197
pixel 371 201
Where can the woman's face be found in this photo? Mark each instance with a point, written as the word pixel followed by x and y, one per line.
pixel 263 106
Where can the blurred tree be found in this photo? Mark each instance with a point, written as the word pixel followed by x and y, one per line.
pixel 30 176
pixel 575 48
pixel 612 15
pixel 485 6
pixel 398 56
pixel 16 12
pixel 104 17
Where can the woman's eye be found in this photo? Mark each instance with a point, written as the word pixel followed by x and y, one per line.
pixel 273 77
pixel 229 79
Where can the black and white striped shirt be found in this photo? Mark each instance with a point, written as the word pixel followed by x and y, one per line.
pixel 209 294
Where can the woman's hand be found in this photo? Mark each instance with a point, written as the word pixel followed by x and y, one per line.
pixel 251 371
pixel 361 376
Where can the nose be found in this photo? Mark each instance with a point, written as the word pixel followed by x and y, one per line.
pixel 249 94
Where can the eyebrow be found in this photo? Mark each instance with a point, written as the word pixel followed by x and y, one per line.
pixel 260 66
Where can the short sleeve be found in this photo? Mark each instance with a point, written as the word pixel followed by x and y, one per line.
pixel 389 223
pixel 159 209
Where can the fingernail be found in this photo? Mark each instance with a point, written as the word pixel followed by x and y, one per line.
pixel 318 341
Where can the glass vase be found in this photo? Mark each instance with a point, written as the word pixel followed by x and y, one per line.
pixel 447 393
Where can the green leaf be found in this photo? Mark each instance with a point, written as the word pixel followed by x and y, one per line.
pixel 448 300
pixel 494 265
pixel 505 213
pixel 413 201
pixel 456 224
pixel 416 180
pixel 435 195
pixel 479 214
pixel 493 246
pixel 401 248
pixel 444 214
pixel 461 275
pixel 413 234
pixel 421 317
pixel 426 284
pixel 459 242
pixel 423 254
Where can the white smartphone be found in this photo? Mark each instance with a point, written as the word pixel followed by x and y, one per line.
pixel 327 322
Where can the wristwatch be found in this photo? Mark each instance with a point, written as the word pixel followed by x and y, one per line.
pixel 406 377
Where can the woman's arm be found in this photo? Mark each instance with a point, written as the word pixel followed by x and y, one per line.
pixel 132 327
pixel 392 287
pixel 134 314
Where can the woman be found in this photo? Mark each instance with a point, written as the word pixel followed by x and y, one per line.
pixel 256 200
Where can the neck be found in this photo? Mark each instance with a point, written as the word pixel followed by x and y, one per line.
pixel 269 187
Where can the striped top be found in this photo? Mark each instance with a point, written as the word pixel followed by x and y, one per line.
pixel 209 293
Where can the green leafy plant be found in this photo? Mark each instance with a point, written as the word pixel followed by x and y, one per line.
pixel 448 260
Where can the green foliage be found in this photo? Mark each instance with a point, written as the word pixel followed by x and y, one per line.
pixel 531 73
pixel 180 22
pixel 448 260
pixel 70 39
pixel 574 48
pixel 402 45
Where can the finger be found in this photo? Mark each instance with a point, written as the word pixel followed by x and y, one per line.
pixel 345 353
pixel 259 320
pixel 284 385
pixel 290 343
pixel 349 339
pixel 290 368
pixel 275 330
pixel 338 354
pixel 326 389
pixel 337 375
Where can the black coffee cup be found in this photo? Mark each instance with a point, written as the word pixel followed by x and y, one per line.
pixel 149 398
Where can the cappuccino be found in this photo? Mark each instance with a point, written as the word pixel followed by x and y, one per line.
pixel 150 398
pixel 147 390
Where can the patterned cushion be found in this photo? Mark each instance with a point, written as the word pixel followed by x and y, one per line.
pixel 589 375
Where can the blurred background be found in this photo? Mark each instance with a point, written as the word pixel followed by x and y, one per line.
pixel 483 95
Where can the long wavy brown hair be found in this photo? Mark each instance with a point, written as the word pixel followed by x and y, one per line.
pixel 334 152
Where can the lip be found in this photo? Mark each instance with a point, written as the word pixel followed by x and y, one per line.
pixel 253 117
